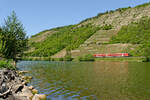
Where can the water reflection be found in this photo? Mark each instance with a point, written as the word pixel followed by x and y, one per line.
pixel 90 80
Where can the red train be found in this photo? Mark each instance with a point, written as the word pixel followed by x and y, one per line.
pixel 112 55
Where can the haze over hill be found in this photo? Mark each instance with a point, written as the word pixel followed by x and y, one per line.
pixel 90 36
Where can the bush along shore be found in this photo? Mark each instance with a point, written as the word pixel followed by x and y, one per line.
pixel 87 58
pixel 13 84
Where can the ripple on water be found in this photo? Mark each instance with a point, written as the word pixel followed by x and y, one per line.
pixel 90 81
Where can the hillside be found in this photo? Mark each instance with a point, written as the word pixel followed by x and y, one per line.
pixel 90 36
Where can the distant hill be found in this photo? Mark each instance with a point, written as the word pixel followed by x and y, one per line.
pixel 93 35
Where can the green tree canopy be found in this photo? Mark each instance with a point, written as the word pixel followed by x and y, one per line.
pixel 13 40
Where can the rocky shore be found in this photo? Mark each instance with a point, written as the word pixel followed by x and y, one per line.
pixel 13 86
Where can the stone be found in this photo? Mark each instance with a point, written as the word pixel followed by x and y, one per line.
pixel 39 97
pixel 17 87
pixel 24 83
pixel 36 97
pixel 42 96
pixel 34 91
pixel 26 78
pixel 12 88
pixel 30 87
pixel 22 72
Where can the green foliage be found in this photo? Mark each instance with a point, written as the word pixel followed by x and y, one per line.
pixel 143 5
pixel 69 37
pixel 13 38
pixel 36 58
pixel 39 33
pixel 68 58
pixel 145 50
pixel 107 27
pixel 6 64
pixel 136 33
pixel 87 57
pixel 122 9
pixel 61 59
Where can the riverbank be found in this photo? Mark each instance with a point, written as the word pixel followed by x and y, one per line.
pixel 14 86
pixel 121 59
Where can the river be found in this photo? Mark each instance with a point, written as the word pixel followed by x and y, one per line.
pixel 90 80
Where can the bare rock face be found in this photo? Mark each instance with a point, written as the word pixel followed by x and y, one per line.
pixel 12 87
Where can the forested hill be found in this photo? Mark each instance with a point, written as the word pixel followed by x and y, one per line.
pixel 93 35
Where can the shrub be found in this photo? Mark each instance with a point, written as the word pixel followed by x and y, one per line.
pixel 143 5
pixel 123 9
pixel 68 58
pixel 52 59
pixel 61 59
pixel 87 57
pixel 107 27
pixel 7 65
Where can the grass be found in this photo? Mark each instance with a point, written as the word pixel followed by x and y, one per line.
pixel 40 33
pixel 37 58
pixel 7 65
pixel 46 59
pixel 143 5
pixel 87 57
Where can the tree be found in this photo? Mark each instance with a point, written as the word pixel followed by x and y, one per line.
pixel 146 51
pixel 13 38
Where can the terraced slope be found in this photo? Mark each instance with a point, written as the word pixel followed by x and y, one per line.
pixel 120 17
pixel 42 37
pixel 69 37
pixel 100 37
pixel 96 42
pixel 92 44
pixel 99 43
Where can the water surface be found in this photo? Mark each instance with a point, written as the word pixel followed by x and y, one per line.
pixel 90 80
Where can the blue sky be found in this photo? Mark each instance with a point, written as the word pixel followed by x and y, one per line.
pixel 38 15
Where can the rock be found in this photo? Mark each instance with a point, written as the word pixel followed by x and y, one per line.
pixel 16 97
pixel 23 77
pixel 25 93
pixel 24 83
pixel 34 91
pixel 22 72
pixel 17 88
pixel 30 87
pixel 36 97
pixel 39 97
pixel 3 88
pixel 13 87
pixel 26 77
pixel 42 96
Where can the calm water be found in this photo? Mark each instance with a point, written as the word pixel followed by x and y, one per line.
pixel 90 80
